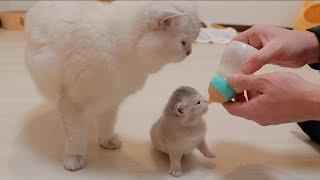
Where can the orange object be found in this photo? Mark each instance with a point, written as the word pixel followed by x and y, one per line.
pixel 106 1
pixel 309 16
pixel 215 96
pixel 12 20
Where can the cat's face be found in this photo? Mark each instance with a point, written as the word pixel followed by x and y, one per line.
pixel 191 107
pixel 171 33
pixel 182 35
pixel 186 105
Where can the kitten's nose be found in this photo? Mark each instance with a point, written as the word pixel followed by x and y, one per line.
pixel 188 53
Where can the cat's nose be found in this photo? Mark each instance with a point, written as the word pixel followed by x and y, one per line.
pixel 188 53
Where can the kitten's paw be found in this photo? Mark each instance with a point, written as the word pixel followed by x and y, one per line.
pixel 210 155
pixel 74 162
pixel 175 172
pixel 111 144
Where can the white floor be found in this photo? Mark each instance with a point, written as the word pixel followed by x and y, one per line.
pixel 31 139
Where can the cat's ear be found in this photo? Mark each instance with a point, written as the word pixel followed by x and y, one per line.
pixel 178 109
pixel 164 17
pixel 168 22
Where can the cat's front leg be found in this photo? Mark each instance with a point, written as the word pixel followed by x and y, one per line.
pixel 204 149
pixel 175 164
pixel 76 134
pixel 106 123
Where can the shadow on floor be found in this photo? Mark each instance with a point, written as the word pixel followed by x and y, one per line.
pixel 305 139
pixel 43 136
pixel 258 172
pixel 238 161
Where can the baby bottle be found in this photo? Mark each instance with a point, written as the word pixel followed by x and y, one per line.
pixel 234 54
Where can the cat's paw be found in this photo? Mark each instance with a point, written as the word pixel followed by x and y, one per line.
pixel 175 172
pixel 210 155
pixel 111 144
pixel 74 162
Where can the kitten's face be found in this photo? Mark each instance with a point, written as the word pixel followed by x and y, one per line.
pixel 170 37
pixel 194 106
pixel 188 106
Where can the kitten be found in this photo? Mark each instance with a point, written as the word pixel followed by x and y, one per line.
pixel 181 128
pixel 86 57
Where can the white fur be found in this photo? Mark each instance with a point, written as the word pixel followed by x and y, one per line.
pixel 88 56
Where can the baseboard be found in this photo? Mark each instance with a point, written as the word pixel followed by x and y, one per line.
pixel 239 28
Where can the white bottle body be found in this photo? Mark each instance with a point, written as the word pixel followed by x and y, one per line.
pixel 234 55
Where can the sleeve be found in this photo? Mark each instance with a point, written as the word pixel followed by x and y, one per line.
pixel 316 31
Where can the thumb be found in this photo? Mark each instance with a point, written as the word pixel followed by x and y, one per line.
pixel 240 109
pixel 245 82
pixel 259 59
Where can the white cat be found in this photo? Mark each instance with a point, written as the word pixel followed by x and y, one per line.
pixel 87 57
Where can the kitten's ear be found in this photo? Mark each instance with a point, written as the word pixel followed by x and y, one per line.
pixel 178 109
pixel 164 17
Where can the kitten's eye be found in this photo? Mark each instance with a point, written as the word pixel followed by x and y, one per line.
pixel 198 102
pixel 184 43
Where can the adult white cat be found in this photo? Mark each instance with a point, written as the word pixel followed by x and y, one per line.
pixel 87 57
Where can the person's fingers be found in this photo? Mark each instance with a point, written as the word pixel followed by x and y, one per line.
pixel 234 108
pixel 289 64
pixel 244 82
pixel 252 94
pixel 246 110
pixel 240 97
pixel 251 37
pixel 243 36
pixel 260 58
pixel 240 109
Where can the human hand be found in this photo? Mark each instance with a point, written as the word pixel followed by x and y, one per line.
pixel 275 98
pixel 279 46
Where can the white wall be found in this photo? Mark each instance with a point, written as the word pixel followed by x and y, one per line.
pixel 15 5
pixel 280 13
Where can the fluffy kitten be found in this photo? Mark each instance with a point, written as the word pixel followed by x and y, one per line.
pixel 88 56
pixel 181 128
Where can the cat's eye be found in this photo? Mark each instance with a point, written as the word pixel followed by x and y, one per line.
pixel 198 102
pixel 184 43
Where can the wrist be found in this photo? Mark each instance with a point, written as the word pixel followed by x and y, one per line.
pixel 313 103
